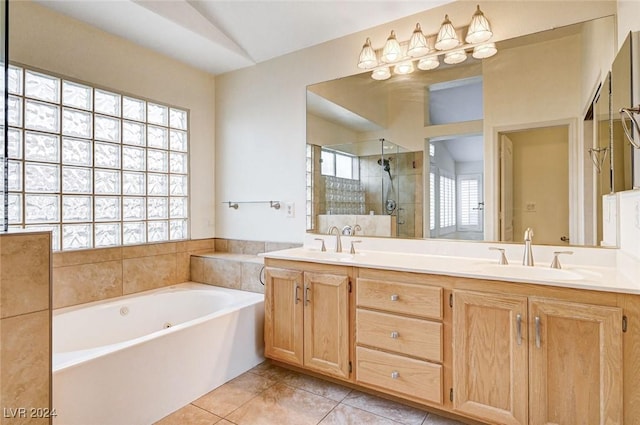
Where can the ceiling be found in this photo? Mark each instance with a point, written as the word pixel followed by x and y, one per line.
pixel 219 36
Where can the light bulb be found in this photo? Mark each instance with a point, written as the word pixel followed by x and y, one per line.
pixel 381 73
pixel 484 51
pixel 453 58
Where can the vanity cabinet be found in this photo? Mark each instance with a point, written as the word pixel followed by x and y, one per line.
pixel 307 319
pixel 399 339
pixel 529 360
pixel 490 357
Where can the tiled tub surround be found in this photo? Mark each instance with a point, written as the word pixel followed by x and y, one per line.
pixel 155 352
pixel 25 328
pixel 97 274
pixel 234 264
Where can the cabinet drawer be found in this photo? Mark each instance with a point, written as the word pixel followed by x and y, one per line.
pixel 415 379
pixel 417 300
pixel 404 335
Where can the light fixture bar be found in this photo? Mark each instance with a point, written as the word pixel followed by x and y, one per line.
pixel 426 50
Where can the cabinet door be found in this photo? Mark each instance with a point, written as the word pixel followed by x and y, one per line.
pixel 326 323
pixel 490 357
pixel 283 315
pixel 576 363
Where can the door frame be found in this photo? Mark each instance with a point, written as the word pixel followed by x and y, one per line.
pixel 576 167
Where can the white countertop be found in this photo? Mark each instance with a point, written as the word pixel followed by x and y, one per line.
pixel 592 268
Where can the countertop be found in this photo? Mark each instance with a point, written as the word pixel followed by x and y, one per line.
pixel 607 278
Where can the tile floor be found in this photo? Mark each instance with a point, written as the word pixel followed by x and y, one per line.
pixel 271 395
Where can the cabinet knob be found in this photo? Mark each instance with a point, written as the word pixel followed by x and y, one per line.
pixel 395 374
pixel 394 297
pixel 395 335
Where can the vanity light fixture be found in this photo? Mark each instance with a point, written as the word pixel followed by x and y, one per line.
pixel 382 73
pixel 418 43
pixel 457 56
pixel 426 50
pixel 368 58
pixel 484 50
pixel 479 29
pixel 404 68
pixel 391 51
pixel 447 37
pixel 431 62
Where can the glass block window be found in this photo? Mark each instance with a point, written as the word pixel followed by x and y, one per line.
pixel 96 167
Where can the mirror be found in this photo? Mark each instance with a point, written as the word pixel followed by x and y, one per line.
pixel 450 124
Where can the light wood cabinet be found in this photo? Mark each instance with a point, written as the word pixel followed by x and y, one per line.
pixel 527 360
pixel 307 320
pixel 283 316
pixel 575 355
pixel 490 351
pixel 490 357
pixel 399 339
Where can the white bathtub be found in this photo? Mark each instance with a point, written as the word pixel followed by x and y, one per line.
pixel 135 359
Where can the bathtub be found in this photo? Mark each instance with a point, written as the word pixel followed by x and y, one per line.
pixel 135 359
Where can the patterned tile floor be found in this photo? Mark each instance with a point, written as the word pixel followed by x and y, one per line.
pixel 271 395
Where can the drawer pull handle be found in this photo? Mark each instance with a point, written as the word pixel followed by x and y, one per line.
pixel 395 335
pixel 395 374
pixel 537 321
pixel 519 327
pixel 394 297
pixel 296 296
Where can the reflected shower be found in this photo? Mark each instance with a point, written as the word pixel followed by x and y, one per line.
pixel 386 165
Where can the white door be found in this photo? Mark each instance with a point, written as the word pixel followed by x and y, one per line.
pixel 506 188
pixel 470 203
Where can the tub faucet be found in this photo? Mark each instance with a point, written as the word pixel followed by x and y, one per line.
pixel 527 259
pixel 338 241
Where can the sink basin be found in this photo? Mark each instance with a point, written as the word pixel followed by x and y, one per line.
pixel 526 272
pixel 327 255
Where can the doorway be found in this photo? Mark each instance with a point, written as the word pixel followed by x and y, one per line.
pixel 534 184
pixel 456 202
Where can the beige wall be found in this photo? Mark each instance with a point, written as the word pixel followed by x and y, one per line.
pixel 541 177
pixel 50 41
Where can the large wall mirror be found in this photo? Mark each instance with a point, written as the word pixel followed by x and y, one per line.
pixel 475 151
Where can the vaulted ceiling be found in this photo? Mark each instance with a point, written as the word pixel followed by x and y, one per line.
pixel 219 36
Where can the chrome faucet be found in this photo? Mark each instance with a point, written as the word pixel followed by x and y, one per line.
pixel 527 259
pixel 338 241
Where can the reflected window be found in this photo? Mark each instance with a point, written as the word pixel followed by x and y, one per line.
pixel 339 165
pixel 455 101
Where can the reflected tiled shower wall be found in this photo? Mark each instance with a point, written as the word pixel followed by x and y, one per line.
pixel 407 190
pixel 25 328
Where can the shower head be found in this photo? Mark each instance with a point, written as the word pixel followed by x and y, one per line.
pixel 385 163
